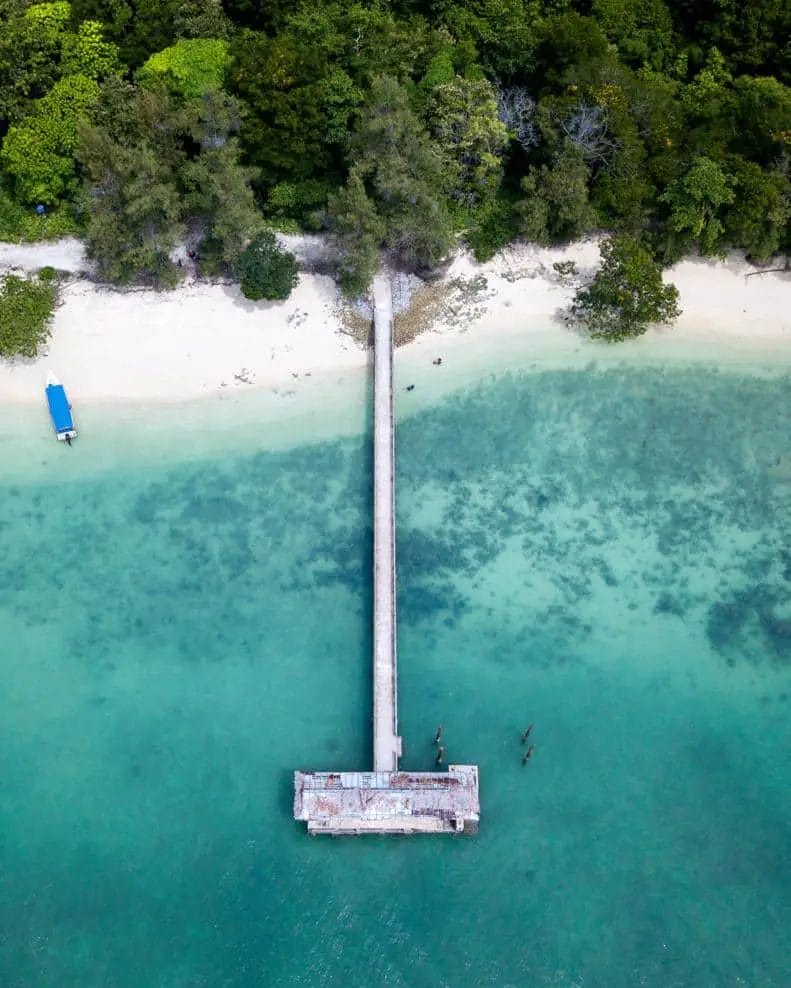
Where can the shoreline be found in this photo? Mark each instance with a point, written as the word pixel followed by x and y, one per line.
pixel 204 340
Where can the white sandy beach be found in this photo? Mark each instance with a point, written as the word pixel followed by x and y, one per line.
pixel 207 340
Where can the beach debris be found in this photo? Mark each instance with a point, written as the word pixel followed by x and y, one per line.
pixel 440 755
pixel 244 376
pixel 528 754
pixel 438 735
pixel 526 733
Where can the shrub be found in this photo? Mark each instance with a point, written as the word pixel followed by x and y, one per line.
pixel 265 270
pixel 565 270
pixel 26 307
pixel 294 206
pixel 494 226
pixel 19 224
pixel 627 293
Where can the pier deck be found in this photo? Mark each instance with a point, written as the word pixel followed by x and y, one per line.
pixel 387 743
pixel 386 801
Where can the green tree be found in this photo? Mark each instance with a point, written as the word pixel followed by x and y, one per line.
pixel 265 270
pixel 708 105
pixel 201 19
pixel 218 201
pixel 26 307
pixel 131 156
pixel 642 30
pixel 571 48
pixel 363 39
pixel 138 27
pixel 505 33
pixel 753 36
pixel 465 124
pixel 494 224
pixel 626 295
pixel 654 108
pixel 404 175
pixel 695 201
pixel 85 52
pixel 262 15
pixel 281 81
pixel 758 219
pixel 38 47
pixel 762 118
pixel 557 207
pixel 191 67
pixel 39 152
pixel 357 231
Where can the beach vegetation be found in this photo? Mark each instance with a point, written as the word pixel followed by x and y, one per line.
pixel 483 120
pixel 22 224
pixel 157 168
pixel 627 293
pixel 26 308
pixel 266 270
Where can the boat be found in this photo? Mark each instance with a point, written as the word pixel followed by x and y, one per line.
pixel 59 409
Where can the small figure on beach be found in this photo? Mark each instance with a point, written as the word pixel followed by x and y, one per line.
pixel 68 440
pixel 440 755
pixel 437 362
pixel 438 735
pixel 526 733
pixel 528 754
pixel 409 387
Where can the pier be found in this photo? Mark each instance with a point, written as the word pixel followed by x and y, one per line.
pixel 387 800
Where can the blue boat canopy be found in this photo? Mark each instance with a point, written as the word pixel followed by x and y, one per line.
pixel 59 410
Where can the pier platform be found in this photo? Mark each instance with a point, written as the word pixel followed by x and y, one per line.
pixel 389 802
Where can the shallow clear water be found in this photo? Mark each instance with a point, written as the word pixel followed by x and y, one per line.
pixel 604 554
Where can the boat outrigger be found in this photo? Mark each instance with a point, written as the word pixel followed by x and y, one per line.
pixel 59 410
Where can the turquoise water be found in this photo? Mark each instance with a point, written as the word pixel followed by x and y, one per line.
pixel 604 554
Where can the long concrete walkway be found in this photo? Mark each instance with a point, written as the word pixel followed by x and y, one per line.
pixel 387 743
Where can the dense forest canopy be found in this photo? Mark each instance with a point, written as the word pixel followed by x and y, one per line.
pixel 402 125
